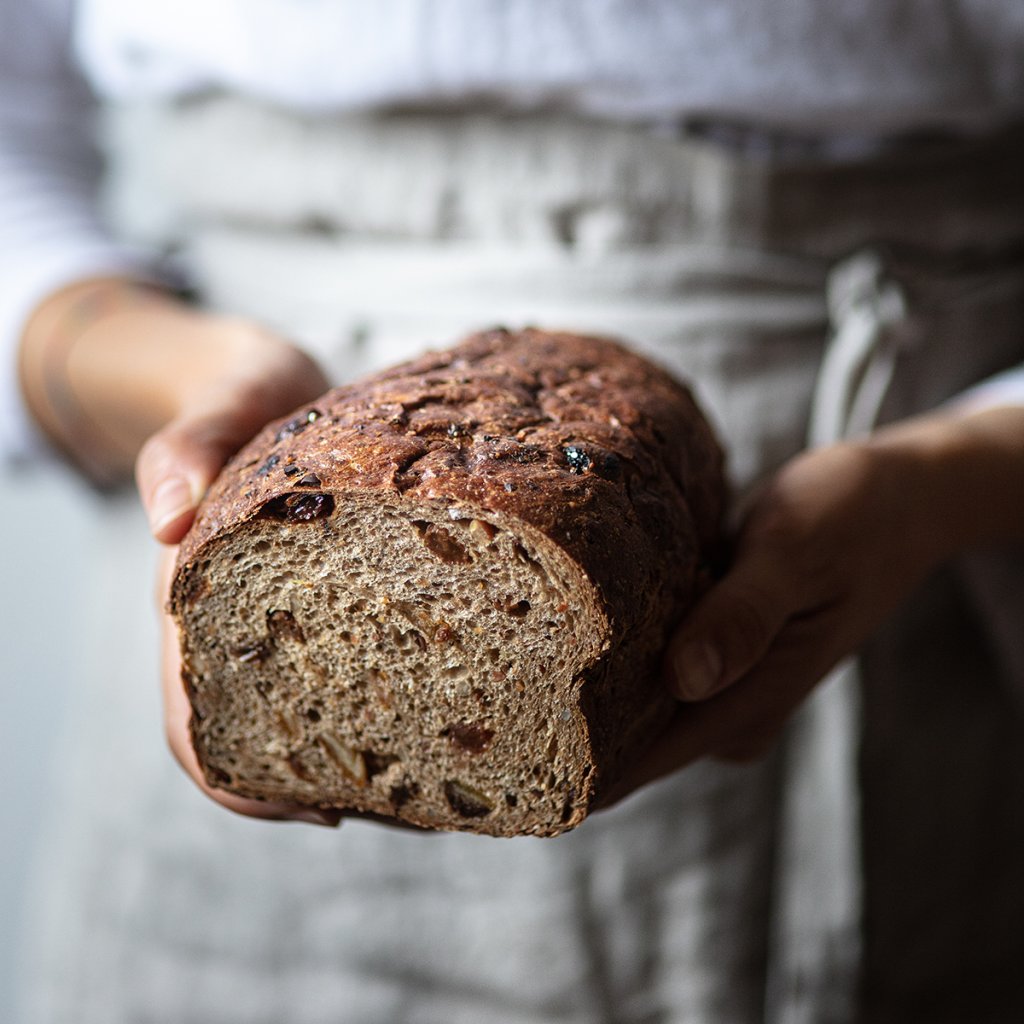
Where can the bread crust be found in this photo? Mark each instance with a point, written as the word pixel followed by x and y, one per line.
pixel 596 449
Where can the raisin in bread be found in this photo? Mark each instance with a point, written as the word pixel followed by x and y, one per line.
pixel 441 594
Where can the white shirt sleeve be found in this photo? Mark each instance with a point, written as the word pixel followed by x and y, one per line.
pixel 1006 388
pixel 50 232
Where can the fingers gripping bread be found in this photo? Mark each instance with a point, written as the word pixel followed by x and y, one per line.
pixel 440 594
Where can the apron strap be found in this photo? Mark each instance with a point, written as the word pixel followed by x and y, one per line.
pixel 864 307
pixel 817 941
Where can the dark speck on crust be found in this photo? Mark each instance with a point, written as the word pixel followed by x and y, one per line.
pixel 298 424
pixel 611 466
pixel 577 458
pixel 268 465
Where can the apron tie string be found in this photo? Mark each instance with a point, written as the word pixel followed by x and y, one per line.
pixel 817 937
pixel 864 308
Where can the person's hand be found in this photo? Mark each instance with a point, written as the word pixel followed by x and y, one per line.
pixel 242 378
pixel 828 548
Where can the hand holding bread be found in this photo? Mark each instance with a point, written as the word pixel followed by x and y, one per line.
pixel 828 549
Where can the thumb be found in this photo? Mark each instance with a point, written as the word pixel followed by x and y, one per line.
pixel 731 628
pixel 178 463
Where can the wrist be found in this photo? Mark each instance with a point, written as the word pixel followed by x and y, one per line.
pixel 963 474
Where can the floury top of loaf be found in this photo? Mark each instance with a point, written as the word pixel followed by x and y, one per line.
pixel 441 594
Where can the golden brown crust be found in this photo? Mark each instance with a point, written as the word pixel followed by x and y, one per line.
pixel 496 421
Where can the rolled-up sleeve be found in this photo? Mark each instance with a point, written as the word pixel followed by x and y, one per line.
pixel 50 231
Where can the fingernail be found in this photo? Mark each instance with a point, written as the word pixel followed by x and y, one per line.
pixel 172 498
pixel 698 669
pixel 314 816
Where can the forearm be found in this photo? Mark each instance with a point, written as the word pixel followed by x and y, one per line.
pixel 101 368
pixel 963 471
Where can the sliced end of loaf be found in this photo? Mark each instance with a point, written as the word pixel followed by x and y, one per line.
pixel 412 660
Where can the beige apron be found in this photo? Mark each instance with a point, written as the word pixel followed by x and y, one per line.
pixel 726 894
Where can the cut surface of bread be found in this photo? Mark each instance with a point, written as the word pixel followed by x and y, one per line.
pixel 435 597
pixel 379 658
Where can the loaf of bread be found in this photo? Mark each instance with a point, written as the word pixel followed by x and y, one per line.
pixel 441 594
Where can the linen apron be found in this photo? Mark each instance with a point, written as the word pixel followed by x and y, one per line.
pixel 801 297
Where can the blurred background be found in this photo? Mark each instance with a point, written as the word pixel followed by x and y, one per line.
pixel 47 527
pixel 52 527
